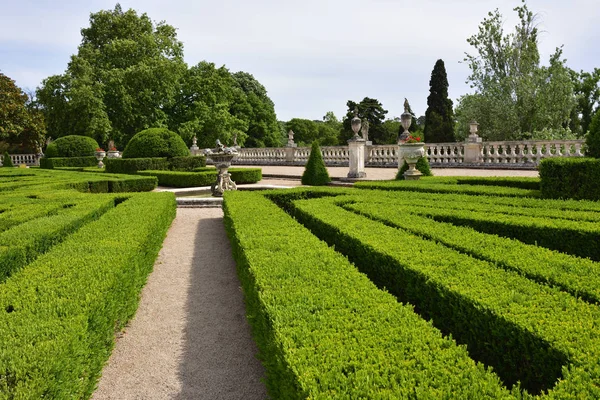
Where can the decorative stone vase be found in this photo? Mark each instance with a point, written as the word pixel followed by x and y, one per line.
pixel 222 161
pixel 100 156
pixel 411 152
pixel 113 154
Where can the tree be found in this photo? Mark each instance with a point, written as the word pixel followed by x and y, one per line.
pixel 122 80
pixel 20 122
pixel 263 130
pixel 439 117
pixel 514 97
pixel 592 138
pixel 305 131
pixel 370 110
pixel 587 93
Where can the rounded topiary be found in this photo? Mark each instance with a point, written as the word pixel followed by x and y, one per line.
pixel 422 165
pixel 592 139
pixel 156 142
pixel 72 146
pixel 6 161
pixel 315 173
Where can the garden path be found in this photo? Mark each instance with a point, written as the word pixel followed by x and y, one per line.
pixel 190 338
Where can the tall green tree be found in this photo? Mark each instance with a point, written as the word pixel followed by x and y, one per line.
pixel 439 117
pixel 263 130
pixel 514 96
pixel 587 93
pixel 122 80
pixel 21 124
pixel 372 111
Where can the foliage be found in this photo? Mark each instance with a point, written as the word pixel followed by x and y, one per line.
pixel 133 165
pixel 372 111
pixel 439 117
pixel 315 173
pixel 203 176
pixel 156 142
pixel 592 138
pixel 6 160
pixel 319 298
pixel 422 165
pixel 58 162
pixel 514 94
pixel 20 122
pixel 72 146
pixel 187 163
pixel 306 131
pixel 587 92
pixel 570 178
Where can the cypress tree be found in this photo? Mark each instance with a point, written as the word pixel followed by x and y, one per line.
pixel 315 173
pixel 439 118
pixel 6 161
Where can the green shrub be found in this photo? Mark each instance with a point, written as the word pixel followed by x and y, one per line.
pixel 592 138
pixel 422 165
pixel 205 177
pixel 133 165
pixel 6 160
pixel 245 175
pixel 570 178
pixel 50 163
pixel 156 142
pixel 72 146
pixel 315 172
pixel 187 163
pixel 516 182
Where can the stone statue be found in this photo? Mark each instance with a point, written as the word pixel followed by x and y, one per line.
pixel 220 146
pixel 290 137
pixel 235 139
pixel 365 130
pixel 406 106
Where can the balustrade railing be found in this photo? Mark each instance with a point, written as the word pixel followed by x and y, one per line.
pixel 523 154
pixel 18 159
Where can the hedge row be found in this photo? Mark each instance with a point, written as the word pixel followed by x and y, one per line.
pixel 133 165
pixel 578 238
pixel 51 163
pixel 423 185
pixel 577 276
pixel 60 313
pixel 520 182
pixel 325 331
pixel 570 178
pixel 23 243
pixel 16 214
pixel 205 177
pixel 526 331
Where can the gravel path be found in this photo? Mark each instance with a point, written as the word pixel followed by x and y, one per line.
pixel 190 338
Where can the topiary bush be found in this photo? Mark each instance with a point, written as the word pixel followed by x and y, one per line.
pixel 6 161
pixel 156 142
pixel 315 173
pixel 72 146
pixel 592 139
pixel 422 165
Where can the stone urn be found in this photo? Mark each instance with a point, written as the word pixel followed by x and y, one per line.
pixel 113 154
pixel 222 156
pixel 100 154
pixel 411 152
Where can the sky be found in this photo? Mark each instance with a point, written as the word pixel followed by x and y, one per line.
pixel 312 56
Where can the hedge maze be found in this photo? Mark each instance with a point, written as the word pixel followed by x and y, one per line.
pixel 72 263
pixel 461 290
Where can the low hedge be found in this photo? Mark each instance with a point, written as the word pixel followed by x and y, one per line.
pixel 578 276
pixel 50 163
pixel 188 163
pixel 570 178
pixel 526 331
pixel 324 330
pixel 203 176
pixel 520 182
pixel 133 165
pixel 61 312
pixel 24 243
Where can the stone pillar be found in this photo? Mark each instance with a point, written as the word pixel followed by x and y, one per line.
pixel 194 150
pixel 368 144
pixel 289 154
pixel 473 146
pixel 357 158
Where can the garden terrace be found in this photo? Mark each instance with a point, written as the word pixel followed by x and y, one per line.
pixel 512 302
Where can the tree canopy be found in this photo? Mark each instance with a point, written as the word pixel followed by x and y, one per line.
pixel 20 122
pixel 439 117
pixel 515 97
pixel 372 111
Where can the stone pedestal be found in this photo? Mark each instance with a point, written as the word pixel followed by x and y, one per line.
pixel 473 147
pixel 290 150
pixel 368 144
pixel 357 158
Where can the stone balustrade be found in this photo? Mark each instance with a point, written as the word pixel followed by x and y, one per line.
pixel 27 159
pixel 508 154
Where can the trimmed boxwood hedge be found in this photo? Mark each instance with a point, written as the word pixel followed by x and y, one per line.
pixel 570 178
pixel 324 330
pixel 133 165
pixel 72 146
pixel 187 163
pixel 50 163
pixel 203 176
pixel 60 313
pixel 156 142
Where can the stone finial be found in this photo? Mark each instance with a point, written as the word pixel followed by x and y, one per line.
pixel 235 139
pixel 406 106
pixel 365 130
pixel 355 124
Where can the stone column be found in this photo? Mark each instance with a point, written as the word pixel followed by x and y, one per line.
pixel 290 148
pixel 357 158
pixel 473 145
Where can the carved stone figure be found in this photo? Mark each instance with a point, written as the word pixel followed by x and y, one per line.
pixel 365 130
